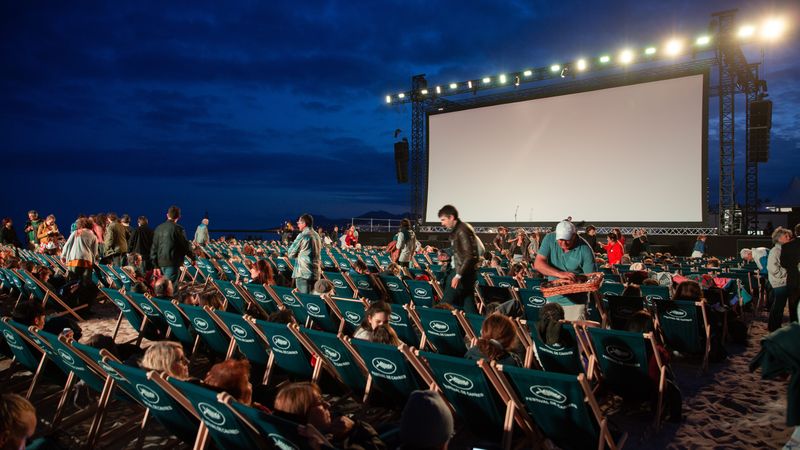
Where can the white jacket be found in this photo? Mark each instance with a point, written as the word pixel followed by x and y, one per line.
pixel 776 273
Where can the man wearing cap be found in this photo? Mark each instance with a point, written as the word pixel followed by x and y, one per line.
pixel 426 423
pixel 467 251
pixel 564 255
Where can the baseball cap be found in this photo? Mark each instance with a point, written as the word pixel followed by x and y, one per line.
pixel 426 420
pixel 565 230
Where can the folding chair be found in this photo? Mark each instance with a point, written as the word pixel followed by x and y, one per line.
pixel 422 293
pixel 43 294
pixel 227 271
pixel 215 335
pixel 283 433
pixel 502 281
pixel 129 310
pixel 621 309
pixel 563 407
pixel 685 327
pixel 441 331
pixel 319 312
pixel 177 321
pixel 233 298
pixel 564 357
pixel 329 349
pixel 248 342
pixel 401 319
pixel 285 297
pixel 287 353
pixel 351 314
pixel 260 296
pixel 341 284
pixel 23 348
pixel 150 311
pixel 532 301
pixel 364 286
pixel 389 370
pixel 398 293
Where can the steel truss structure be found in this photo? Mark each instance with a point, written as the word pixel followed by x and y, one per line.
pixel 653 231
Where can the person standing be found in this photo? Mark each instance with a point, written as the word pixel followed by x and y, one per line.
pixel 48 235
pixel 31 228
pixel 777 278
pixel 564 255
pixel 170 246
pixel 790 260
pixel 500 241
pixel 614 249
pixel 201 233
pixel 406 243
pixel 8 236
pixel 306 248
pixel 335 235
pixel 142 241
pixel 700 247
pixel 467 251
pixel 116 243
pixel 80 253
pixel 591 238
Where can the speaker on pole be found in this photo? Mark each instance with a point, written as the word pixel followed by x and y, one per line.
pixel 401 160
pixel 760 125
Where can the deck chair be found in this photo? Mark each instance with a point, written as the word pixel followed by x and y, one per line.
pixel 389 369
pixel 241 270
pixel 216 336
pixel 285 297
pixel 441 331
pixel 260 296
pixel 177 321
pixel 43 294
pixel 471 323
pixel 248 342
pixel 319 312
pixel 287 353
pixel 401 321
pixel 121 276
pixel 502 281
pixel 623 360
pixel 364 286
pixel 397 290
pixel 609 287
pixel 532 301
pixel 685 327
pixel 328 265
pixel 653 293
pixel 563 407
pixel 150 311
pixel 621 310
pixel 330 349
pixel 127 309
pixel 564 357
pixel 234 301
pixel 110 278
pixel 351 314
pixel 25 352
pixel 421 293
pixel 282 432
pixel 341 284
pixel 227 271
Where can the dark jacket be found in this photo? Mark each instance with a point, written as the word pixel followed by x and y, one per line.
pixel 790 257
pixel 115 241
pixel 592 241
pixel 141 241
pixel 8 236
pixel 170 245
pixel 780 355
pixel 465 249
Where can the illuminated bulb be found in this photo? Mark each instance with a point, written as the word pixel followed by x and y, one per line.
pixel 605 58
pixel 401 95
pixel 528 73
pixel 438 89
pixel 703 40
pixel 773 28
pixel 674 47
pixel 650 51
pixel 487 80
pixel 555 68
pixel 453 85
pixel 502 78
pixel 745 31
pixel 469 84
pixel 388 99
pixel 424 92
pixel 580 64
pixel 626 57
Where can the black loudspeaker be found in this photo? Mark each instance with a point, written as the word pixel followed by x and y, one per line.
pixel 401 160
pixel 760 124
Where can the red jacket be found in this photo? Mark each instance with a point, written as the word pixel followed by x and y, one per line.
pixel 615 251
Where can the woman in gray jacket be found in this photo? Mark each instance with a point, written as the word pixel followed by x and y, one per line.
pixel 406 243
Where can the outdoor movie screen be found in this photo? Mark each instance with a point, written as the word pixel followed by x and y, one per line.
pixel 629 154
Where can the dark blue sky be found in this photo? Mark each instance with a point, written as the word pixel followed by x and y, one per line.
pixel 258 111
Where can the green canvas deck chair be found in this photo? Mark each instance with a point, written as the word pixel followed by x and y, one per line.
pixel 287 353
pixel 177 418
pixel 421 261
pixel 609 287
pixel 177 321
pixel 285 297
pixel 249 343
pixel 364 286
pixel 441 331
pixel 109 279
pixel 241 270
pixel 342 262
pixel 97 356
pixel 122 277
pixel 340 359
pixel 382 261
pixel 234 301
pixel 41 293
pixel 422 293
pixel 502 281
pixel 258 294
pixel 531 283
pixel 282 432
pixel 227 271
pixel 564 357
pixel 216 337
pixel 328 265
pixel 350 312
pixel 389 370
pixel 471 323
pixel 341 285
pixel 150 311
pixel 320 312
pixel 684 325
pixel 401 321
pixel 532 301
pixel 621 309
pixel 563 407
pixel 623 360
pixel 127 309
pixel 396 288
pixel 26 353
pixel 654 293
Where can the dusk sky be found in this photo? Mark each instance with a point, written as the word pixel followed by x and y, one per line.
pixel 258 111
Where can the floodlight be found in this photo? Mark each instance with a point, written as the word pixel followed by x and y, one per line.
pixel 388 99
pixel 703 40
pixel 773 28
pixel 502 78
pixel 745 31
pixel 650 51
pixel 605 58
pixel 401 95
pixel 516 81
pixel 580 64
pixel 487 80
pixel 674 47
pixel 626 57
pixel 555 68
pixel 424 92
pixel 453 85
pixel 438 89
pixel 469 84
pixel 528 73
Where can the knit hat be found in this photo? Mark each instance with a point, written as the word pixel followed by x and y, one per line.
pixel 565 230
pixel 426 420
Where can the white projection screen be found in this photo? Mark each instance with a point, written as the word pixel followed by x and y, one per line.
pixel 631 154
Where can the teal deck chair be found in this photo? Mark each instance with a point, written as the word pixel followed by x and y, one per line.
pixel 282 432
pixel 260 295
pixel 352 312
pixel 401 323
pixel 390 371
pixel 475 322
pixel 364 285
pixel 97 355
pixel 531 283
pixel 621 309
pixel 176 418
pixel 24 353
pixel 236 302
pixel 398 293
pixel 421 261
pixel 342 262
pixel 502 281
pixel 241 269
pixel 609 287
pixel 684 325
pixel 122 276
pixel 328 265
pixel 319 312
pixel 421 293
pixel 653 293
pixel 532 301
pixel 150 311
pixel 214 335
pixel 563 407
pixel 248 342
pixel 442 331
pixel 338 354
pixel 176 321
pixel 340 285
pixel 228 271
pixel 287 353
pixel 384 261
pixel 622 358
pixel 286 296
pixel 127 309
pixel 564 357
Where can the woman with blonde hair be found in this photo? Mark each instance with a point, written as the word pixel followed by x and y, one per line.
pixel 168 358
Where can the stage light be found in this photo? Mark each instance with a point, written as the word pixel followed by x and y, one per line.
pixel 580 64
pixel 438 89
pixel 773 28
pixel 388 99
pixel 650 51
pixel 626 57
pixel 516 81
pixel 674 47
pixel 487 80
pixel 745 31
pixel 469 84
pixel 528 73
pixel 564 72
pixel 424 92
pixel 502 78
pixel 605 58
pixel 703 40
pixel 555 68
pixel 453 85
pixel 401 95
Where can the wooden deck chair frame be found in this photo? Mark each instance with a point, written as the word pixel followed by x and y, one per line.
pixel 248 298
pixel 226 399
pixel 346 280
pixel 471 334
pixel 320 362
pixel 110 276
pixel 411 310
pixel 52 295
pixel 224 328
pixel 138 340
pixel 515 409
pixel 271 359
pixel 202 432
pixel 42 361
pixel 706 329
pixel 331 302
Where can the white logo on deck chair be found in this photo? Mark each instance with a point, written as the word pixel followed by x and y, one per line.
pixel 353 317
pixel 394 318
pixel 122 306
pixel 439 326
pixel 393 286
pixel 238 331
pixel 171 317
pixel 259 296
pixel 230 293
pixel 420 292
pixel 677 313
pixel 281 342
pixel 654 297
pixel 9 337
pixel 384 366
pixel 536 301
pixel 363 284
pixel 313 309
pixel 211 414
pixel 66 357
pixel 618 353
pixel 201 324
pixel 504 284
pixel 281 442
pixel 332 354
pixel 549 394
pixel 289 300
pixel 338 283
pixel 146 308
pixel 148 395
pixel 457 381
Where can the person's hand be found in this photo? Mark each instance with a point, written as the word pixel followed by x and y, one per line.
pixel 568 276
pixel 315 439
pixel 341 426
pixel 454 283
pixel 156 273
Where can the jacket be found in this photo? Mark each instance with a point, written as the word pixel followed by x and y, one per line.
pixel 466 253
pixel 34 228
pixel 407 244
pixel 790 258
pixel 306 248
pixel 46 233
pixel 776 273
pixel 201 234
pixel 115 240
pixel 780 354
pixel 80 250
pixel 170 245
pixel 8 236
pixel 141 241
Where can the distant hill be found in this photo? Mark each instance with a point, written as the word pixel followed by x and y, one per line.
pixel 382 215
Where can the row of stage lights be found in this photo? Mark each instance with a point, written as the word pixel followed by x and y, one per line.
pixel 770 30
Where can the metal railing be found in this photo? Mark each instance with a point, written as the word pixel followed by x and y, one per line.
pixel 369 224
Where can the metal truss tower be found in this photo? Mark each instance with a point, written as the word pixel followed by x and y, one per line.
pixel 418 159
pixel 725 22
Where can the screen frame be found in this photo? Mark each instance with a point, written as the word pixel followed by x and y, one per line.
pixel 594 84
